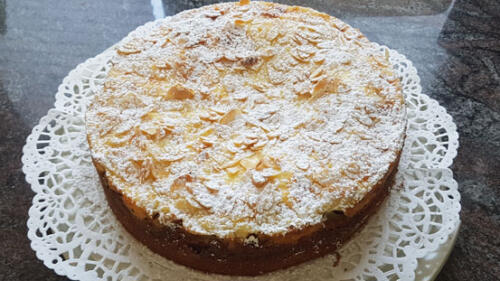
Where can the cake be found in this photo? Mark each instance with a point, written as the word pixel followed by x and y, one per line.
pixel 242 138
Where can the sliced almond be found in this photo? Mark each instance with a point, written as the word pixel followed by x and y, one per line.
pixel 274 76
pixel 217 110
pixel 207 131
pixel 238 141
pixel 302 164
pixel 163 65
pixel 232 163
pixel 231 148
pixel 364 119
pixel 240 22
pixel 230 116
pixel 272 33
pixel 180 183
pixel 260 144
pixel 209 116
pixel 212 185
pixel 353 168
pixel 148 129
pixel 180 92
pixel 317 74
pixel 250 142
pixel 241 96
pixel 298 39
pixel 232 171
pixel 301 55
pixel 169 158
pixel 268 53
pixel 208 141
pixel 270 173
pixel 129 48
pixel 190 207
pixel 145 169
pixel 259 87
pixel 250 162
pixel 323 87
pixel 258 179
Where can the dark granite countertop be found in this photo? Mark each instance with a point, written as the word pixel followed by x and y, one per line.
pixel 455 46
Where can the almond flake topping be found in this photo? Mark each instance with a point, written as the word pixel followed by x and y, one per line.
pixel 238 111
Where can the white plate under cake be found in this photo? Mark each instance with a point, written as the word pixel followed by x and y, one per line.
pixel 242 138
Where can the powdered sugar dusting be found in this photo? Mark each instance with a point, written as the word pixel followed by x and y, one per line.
pixel 247 119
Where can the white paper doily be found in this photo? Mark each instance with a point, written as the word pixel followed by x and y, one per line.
pixel 73 231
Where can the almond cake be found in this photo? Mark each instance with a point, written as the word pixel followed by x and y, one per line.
pixel 242 138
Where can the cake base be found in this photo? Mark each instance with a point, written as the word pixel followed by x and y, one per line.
pixel 233 257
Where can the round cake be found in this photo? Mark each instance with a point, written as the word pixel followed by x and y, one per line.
pixel 242 138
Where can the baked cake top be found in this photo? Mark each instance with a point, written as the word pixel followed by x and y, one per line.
pixel 239 119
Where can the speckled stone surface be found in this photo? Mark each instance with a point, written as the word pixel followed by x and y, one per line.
pixel 455 46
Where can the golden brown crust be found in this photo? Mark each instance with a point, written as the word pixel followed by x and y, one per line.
pixel 234 257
